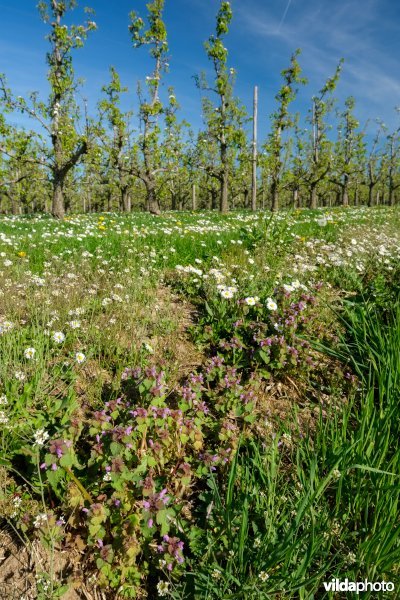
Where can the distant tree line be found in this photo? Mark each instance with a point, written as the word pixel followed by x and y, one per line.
pixel 153 161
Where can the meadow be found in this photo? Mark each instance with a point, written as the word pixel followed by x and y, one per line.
pixel 198 405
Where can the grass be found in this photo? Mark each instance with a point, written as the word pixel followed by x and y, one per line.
pixel 299 500
pixel 325 507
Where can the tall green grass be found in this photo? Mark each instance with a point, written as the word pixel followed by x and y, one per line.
pixel 286 519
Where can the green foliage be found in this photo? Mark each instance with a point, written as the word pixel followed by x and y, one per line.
pixel 224 134
pixel 239 475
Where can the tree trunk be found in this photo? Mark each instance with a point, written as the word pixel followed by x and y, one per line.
pixel 392 196
pixel 246 198
pixel 152 202
pixel 173 201
pixel 313 196
pixel 213 199
pixel 345 191
pixel 125 199
pixel 370 195
pixel 194 199
pixel 223 203
pixel 14 203
pixel 275 196
pixel 295 198
pixel 58 207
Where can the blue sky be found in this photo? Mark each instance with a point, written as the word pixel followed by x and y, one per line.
pixel 263 35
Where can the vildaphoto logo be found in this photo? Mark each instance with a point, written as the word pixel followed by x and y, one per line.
pixel 336 585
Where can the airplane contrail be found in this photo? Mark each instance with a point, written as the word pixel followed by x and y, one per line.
pixel 284 15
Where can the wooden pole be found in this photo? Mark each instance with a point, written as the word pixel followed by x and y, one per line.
pixel 254 161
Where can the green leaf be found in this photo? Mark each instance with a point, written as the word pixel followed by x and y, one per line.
pixel 209 310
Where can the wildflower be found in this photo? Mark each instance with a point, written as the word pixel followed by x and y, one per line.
pixel 40 436
pixel 6 326
pixel 3 400
pixel 148 347
pixel 19 375
pixel 263 576
pixel 3 417
pixel 296 285
pixel 352 558
pixel 257 542
pixel 336 474
pixel 162 588
pixel 251 300
pixel 22 254
pixel 74 324
pixel 216 574
pixel 271 304
pixel 80 357
pixel 29 353
pixel 58 337
pixel 226 293
pixel 17 501
pixel 40 520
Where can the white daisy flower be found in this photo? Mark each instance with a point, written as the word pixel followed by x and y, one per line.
pixel 58 337
pixel 29 353
pixel 251 300
pixel 226 293
pixel 80 357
